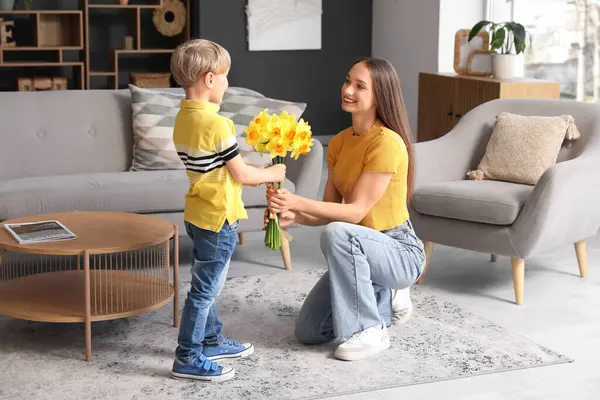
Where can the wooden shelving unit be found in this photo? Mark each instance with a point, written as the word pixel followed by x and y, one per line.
pixel 117 53
pixel 132 6
pixel 54 33
pixel 61 38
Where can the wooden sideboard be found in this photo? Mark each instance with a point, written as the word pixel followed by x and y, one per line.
pixel 445 98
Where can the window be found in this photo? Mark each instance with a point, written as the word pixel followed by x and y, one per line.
pixel 564 42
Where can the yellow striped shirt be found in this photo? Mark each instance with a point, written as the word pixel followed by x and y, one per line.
pixel 205 141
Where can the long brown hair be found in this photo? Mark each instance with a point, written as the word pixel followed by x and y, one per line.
pixel 390 107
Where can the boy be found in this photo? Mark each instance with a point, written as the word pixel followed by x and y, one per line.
pixel 206 143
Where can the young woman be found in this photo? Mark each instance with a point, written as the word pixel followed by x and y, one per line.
pixel 372 252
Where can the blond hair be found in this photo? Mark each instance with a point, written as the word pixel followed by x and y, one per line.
pixel 194 58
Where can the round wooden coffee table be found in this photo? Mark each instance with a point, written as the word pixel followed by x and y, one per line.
pixel 118 266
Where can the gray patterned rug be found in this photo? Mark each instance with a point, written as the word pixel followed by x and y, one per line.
pixel 132 357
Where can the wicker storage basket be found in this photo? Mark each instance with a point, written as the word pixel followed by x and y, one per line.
pixel 42 83
pixel 151 79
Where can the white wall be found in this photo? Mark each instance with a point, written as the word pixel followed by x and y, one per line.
pixel 455 15
pixel 502 10
pixel 418 36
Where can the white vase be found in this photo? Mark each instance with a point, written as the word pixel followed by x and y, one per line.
pixel 7 5
pixel 507 66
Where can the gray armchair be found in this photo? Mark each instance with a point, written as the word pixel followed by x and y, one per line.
pixel 503 218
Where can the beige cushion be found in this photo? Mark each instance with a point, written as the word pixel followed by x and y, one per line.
pixel 521 148
pixel 486 202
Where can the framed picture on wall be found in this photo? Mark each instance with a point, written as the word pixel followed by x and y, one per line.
pixel 290 25
pixel 463 48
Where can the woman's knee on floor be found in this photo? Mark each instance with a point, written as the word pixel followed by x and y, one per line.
pixel 311 331
pixel 307 334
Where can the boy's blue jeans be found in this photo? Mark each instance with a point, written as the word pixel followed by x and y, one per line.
pixel 200 324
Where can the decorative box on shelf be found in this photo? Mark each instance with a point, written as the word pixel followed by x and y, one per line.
pixel 42 83
pixel 151 79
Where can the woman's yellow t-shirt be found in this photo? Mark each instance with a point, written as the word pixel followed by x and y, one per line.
pixel 379 149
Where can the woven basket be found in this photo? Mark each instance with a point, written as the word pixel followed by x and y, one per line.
pixel 42 83
pixel 151 79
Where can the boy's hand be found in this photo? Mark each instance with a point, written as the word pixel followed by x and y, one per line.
pixel 278 171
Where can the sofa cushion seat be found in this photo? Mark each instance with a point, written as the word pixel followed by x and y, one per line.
pixel 140 191
pixel 487 202
pixel 143 192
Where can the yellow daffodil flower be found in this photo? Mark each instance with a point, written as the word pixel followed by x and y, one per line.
pixel 276 147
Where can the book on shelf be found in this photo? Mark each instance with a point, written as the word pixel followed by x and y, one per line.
pixel 40 231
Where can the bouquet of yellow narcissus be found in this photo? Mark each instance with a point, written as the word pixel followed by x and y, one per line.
pixel 278 135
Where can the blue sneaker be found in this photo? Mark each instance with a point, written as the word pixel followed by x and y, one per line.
pixel 228 349
pixel 202 369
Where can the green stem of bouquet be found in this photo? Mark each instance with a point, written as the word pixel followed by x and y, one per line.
pixel 273 236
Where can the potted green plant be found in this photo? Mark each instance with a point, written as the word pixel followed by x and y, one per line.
pixel 507 44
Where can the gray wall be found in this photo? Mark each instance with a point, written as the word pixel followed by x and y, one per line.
pixel 311 76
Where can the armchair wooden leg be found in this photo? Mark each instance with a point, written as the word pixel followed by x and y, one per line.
pixel 518 270
pixel 428 250
pixel 581 253
pixel 493 257
pixel 285 253
pixel 241 237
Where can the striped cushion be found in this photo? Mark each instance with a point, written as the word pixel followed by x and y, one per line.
pixel 154 115
pixel 154 112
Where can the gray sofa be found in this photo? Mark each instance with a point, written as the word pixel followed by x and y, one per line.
pixel 505 218
pixel 72 150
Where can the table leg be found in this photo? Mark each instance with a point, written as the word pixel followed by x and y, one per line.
pixel 175 276
pixel 285 253
pixel 88 308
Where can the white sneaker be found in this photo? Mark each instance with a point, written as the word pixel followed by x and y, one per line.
pixel 401 305
pixel 364 344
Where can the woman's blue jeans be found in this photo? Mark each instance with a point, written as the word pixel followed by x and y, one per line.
pixel 355 293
